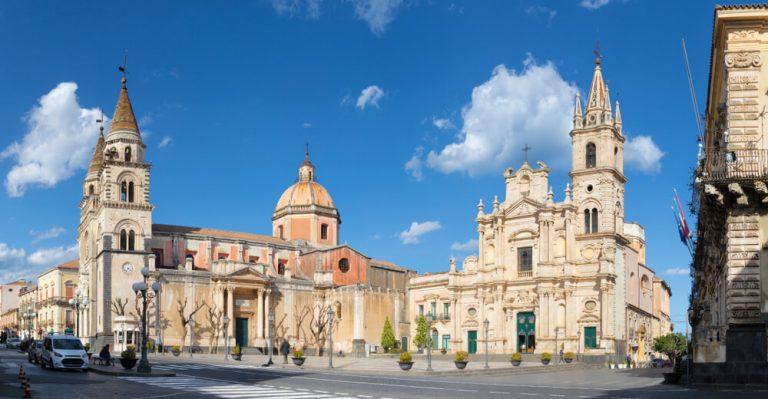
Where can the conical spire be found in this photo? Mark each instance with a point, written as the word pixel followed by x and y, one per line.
pixel 306 170
pixel 578 117
pixel 599 101
pixel 124 119
pixel 98 153
pixel 617 118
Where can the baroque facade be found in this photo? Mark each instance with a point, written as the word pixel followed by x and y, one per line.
pixel 552 275
pixel 729 298
pixel 223 287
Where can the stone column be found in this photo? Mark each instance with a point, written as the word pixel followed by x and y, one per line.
pixel 359 316
pixel 266 311
pixel 231 313
pixel 260 314
pixel 481 255
pixel 604 307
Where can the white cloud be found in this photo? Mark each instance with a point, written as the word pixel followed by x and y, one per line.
pixel 309 9
pixel 414 233
pixel 593 4
pixel 58 143
pixel 468 246
pixel 370 96
pixel 642 153
pixel 165 142
pixel 508 111
pixel 53 232
pixel 376 13
pixel 306 125
pixel 677 271
pixel 442 123
pixel 539 10
pixel 415 165
pixel 52 256
pixel 9 254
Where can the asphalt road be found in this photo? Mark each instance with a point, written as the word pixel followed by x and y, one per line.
pixel 195 380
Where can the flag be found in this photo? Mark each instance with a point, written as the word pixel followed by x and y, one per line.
pixel 680 231
pixel 683 225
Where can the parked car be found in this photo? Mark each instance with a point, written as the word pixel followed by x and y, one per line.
pixel 657 362
pixel 13 343
pixel 34 350
pixel 63 351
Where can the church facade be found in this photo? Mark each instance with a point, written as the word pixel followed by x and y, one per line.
pixel 549 275
pixel 220 287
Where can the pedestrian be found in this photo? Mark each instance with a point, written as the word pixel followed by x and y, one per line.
pixel 629 361
pixel 561 355
pixel 285 348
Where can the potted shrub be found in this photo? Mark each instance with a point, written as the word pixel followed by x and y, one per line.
pixel 151 345
pixel 128 357
pixel 546 357
pixel 517 358
pixel 298 357
pixel 236 352
pixel 568 357
pixel 674 346
pixel 443 351
pixel 176 350
pixel 405 361
pixel 461 359
pixel 87 348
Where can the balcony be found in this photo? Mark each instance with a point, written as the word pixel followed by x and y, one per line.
pixel 720 166
pixel 525 274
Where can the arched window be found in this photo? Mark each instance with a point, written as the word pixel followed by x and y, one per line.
pixel 615 157
pixel 123 240
pixel 323 231
pixel 586 221
pixel 130 192
pixel 337 307
pixel 90 189
pixel 645 283
pixel 69 289
pixel 280 232
pixel 594 220
pixel 591 155
pixel 123 192
pixel 190 258
pixel 525 185
pixel 280 267
pixel 131 241
pixel 127 154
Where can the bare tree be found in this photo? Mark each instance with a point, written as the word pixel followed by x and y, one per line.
pixel 214 320
pixel 318 324
pixel 118 306
pixel 182 307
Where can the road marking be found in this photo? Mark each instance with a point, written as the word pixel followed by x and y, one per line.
pixel 228 390
pixel 528 394
pixel 556 395
pixel 364 396
pixel 503 393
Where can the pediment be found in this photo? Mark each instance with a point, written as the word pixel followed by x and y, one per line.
pixel 522 207
pixel 249 274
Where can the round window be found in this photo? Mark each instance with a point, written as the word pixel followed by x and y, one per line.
pixel 589 188
pixel 472 311
pixel 344 265
pixel 590 305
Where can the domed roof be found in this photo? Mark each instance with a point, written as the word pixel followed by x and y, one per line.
pixel 306 191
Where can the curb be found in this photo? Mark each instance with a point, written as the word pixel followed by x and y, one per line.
pixel 121 373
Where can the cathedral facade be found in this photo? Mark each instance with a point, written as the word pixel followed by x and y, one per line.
pixel 219 287
pixel 549 275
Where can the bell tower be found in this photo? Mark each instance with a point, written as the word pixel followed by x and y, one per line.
pixel 598 164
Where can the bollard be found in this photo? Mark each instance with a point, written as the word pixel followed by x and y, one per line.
pixel 27 390
pixel 21 372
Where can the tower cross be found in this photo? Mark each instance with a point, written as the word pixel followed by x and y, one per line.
pixel 596 52
pixel 525 150
pixel 124 67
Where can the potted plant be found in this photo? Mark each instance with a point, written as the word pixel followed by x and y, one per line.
pixel 674 346
pixel 236 352
pixel 405 361
pixel 461 359
pixel 176 350
pixel 443 351
pixel 517 358
pixel 568 357
pixel 87 348
pixel 298 357
pixel 546 357
pixel 151 345
pixel 128 357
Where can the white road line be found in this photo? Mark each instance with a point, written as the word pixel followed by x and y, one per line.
pixel 528 394
pixel 498 392
pixel 227 389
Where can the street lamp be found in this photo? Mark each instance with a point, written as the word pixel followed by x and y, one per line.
pixel 191 335
pixel 226 337
pixel 271 319
pixel 141 288
pixel 430 319
pixel 330 338
pixel 486 323
pixel 78 302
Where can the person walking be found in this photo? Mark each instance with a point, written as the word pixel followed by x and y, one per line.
pixel 285 349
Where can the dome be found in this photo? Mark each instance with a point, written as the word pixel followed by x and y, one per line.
pixel 305 193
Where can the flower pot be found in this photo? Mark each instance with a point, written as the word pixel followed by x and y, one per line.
pixel 239 356
pixel 672 378
pixel 405 365
pixel 516 362
pixel 299 361
pixel 128 363
pixel 461 365
pixel 545 361
pixel 568 360
pixel 176 353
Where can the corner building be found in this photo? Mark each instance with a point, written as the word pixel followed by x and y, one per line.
pixel 551 275
pixel 209 275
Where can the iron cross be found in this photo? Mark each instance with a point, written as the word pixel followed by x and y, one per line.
pixel 525 150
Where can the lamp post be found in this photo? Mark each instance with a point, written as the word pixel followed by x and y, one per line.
pixel 29 316
pixel 270 319
pixel 430 319
pixel 486 323
pixel 77 303
pixel 226 337
pixel 141 288
pixel 191 335
pixel 330 338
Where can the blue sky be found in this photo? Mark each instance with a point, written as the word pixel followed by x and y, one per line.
pixel 386 91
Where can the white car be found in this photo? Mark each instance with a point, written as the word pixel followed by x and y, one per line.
pixel 62 351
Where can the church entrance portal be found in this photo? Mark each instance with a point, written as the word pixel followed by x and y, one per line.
pixel 526 332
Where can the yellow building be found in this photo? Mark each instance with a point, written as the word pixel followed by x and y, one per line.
pixel 28 311
pixel 55 288
pixel 9 321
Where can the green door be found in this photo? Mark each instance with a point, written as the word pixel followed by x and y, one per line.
pixel 526 332
pixel 241 332
pixel 404 344
pixel 590 337
pixel 472 341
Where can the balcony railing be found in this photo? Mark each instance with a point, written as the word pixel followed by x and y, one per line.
pixel 742 164
pixel 525 273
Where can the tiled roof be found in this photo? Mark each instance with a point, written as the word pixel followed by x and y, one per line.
pixel 232 235
pixel 124 119
pixel 387 264
pixel 72 265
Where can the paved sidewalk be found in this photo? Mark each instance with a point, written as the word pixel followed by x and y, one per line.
pixel 376 364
